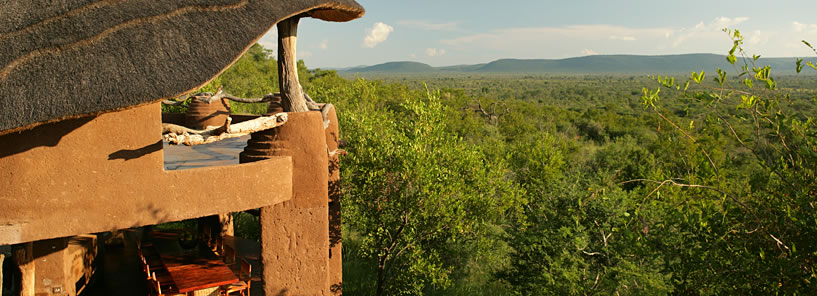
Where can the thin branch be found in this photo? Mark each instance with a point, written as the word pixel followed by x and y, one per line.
pixel 174 103
pixel 729 125
pixel 264 99
pixel 596 282
pixel 313 106
pixel 207 97
pixel 176 134
pixel 212 98
pixel 336 152
pixel 325 108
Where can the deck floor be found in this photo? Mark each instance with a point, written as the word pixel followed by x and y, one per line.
pixel 180 157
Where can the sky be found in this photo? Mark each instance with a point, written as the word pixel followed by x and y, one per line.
pixel 455 32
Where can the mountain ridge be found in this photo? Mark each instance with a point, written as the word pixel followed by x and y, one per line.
pixel 621 63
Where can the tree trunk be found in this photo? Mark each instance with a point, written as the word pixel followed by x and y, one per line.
pixel 292 98
pixel 381 275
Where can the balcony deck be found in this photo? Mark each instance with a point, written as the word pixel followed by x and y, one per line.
pixel 220 153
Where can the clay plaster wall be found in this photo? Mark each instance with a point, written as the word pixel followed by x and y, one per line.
pixel 295 233
pixel 102 173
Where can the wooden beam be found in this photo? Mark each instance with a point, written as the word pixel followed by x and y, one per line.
pixel 292 98
pixel 176 134
pixel 24 257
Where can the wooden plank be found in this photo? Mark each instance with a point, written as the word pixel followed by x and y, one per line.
pixel 190 273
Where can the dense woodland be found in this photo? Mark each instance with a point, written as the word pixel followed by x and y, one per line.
pixel 486 184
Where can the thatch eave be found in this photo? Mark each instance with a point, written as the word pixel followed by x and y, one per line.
pixel 78 58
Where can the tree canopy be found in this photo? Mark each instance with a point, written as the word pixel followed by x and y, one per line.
pixel 467 184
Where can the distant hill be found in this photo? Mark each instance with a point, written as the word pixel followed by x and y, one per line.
pixel 461 68
pixel 684 63
pixel 395 67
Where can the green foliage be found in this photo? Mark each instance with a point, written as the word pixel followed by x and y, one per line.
pixel 413 190
pixel 578 184
pixel 753 209
pixel 247 226
pixel 253 75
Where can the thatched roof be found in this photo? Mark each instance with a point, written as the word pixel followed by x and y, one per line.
pixel 69 58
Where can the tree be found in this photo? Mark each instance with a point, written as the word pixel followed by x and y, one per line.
pixel 573 243
pixel 752 218
pixel 412 190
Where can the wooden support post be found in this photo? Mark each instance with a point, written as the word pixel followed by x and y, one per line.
pixel 292 98
pixel 226 223
pixel 53 269
pixel 24 257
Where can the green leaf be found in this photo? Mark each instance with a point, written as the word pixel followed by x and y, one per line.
pixel 731 58
pixel 649 98
pixel 747 102
pixel 721 79
pixel 771 84
pixel 698 77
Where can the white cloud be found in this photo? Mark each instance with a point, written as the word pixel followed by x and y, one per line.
pixel 804 28
pixel 569 41
pixel 324 44
pixel 377 34
pixel 574 32
pixel 426 25
pixel 781 39
pixel 413 56
pixel 270 39
pixel 756 38
pixel 622 38
pixel 433 52
pixel 588 52
pixel 304 54
pixel 725 22
pixel 708 31
pixel 561 42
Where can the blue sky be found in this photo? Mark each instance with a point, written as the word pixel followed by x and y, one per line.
pixel 452 32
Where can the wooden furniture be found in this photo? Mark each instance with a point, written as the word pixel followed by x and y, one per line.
pixel 249 250
pixel 191 270
pixel 241 287
pixel 156 288
pixel 228 254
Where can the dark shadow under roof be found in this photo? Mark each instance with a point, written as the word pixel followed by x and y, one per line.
pixel 69 58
